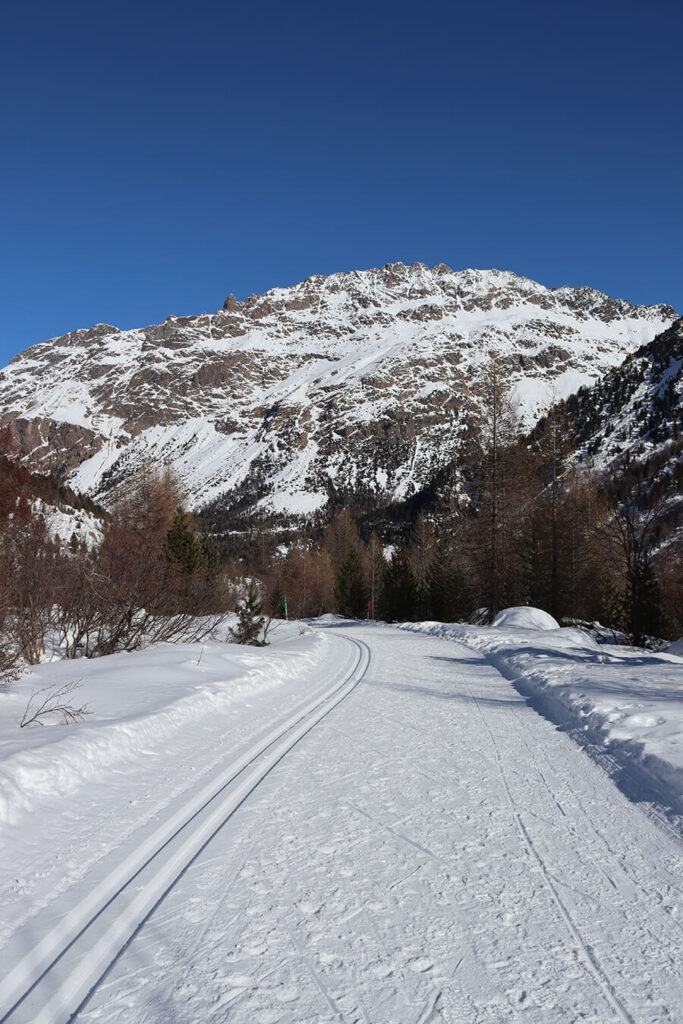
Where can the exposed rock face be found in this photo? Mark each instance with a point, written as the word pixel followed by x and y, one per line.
pixel 356 383
pixel 634 414
pixel 52 445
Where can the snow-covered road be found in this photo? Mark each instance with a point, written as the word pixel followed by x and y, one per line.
pixel 430 849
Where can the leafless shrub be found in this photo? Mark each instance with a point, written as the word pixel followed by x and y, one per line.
pixel 270 625
pixel 53 700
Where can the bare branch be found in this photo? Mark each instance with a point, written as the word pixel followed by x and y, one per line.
pixel 53 700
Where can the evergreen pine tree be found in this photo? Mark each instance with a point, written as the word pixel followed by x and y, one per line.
pixel 376 571
pixel 276 597
pixel 421 544
pixel 209 557
pixel 250 621
pixel 449 596
pixel 399 592
pixel 182 546
pixel 350 590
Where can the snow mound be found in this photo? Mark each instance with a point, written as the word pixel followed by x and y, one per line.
pixel 676 648
pixel 525 618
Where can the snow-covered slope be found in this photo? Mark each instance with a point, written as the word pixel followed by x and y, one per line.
pixel 636 411
pixel 361 383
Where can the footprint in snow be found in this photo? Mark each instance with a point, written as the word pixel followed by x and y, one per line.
pixel 287 994
pixel 238 980
pixel 382 970
pixel 421 964
pixel 309 908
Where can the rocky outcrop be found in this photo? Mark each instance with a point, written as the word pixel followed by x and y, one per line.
pixel 49 446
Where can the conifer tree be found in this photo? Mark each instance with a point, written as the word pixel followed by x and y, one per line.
pixel 340 536
pixel 182 546
pixel 449 597
pixel 277 594
pixel 421 543
pixel 208 553
pixel 376 571
pixel 495 486
pixel 399 593
pixel 250 619
pixel 633 534
pixel 552 443
pixel 350 590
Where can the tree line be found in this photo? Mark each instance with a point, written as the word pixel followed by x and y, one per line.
pixel 153 576
pixel 524 524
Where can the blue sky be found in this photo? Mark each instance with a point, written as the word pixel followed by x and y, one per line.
pixel 157 157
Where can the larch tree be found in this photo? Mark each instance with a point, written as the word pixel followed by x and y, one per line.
pixel 493 456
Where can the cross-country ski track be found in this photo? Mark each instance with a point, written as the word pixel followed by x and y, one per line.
pixel 412 843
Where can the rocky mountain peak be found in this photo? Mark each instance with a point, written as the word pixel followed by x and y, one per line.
pixel 361 383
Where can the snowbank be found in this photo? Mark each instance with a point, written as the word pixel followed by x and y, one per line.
pixel 524 617
pixel 628 701
pixel 137 702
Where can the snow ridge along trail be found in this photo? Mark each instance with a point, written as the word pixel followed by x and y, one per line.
pixel 53 979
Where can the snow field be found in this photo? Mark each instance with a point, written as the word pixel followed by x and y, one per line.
pixel 627 701
pixel 65 962
pixel 137 701
pixel 413 846
pixel 433 851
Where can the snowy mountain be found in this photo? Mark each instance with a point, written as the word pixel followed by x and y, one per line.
pixel 65 514
pixel 630 422
pixel 361 383
pixel 636 410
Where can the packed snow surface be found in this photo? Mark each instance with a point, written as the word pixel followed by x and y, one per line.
pixel 627 700
pixel 132 701
pixel 676 647
pixel 358 824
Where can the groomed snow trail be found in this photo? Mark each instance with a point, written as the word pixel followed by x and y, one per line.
pixel 56 961
pixel 431 850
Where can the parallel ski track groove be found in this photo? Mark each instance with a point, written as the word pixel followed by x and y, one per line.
pixel 582 948
pixel 273 748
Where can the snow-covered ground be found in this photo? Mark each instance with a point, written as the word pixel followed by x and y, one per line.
pixel 361 823
pixel 627 701
pixel 134 702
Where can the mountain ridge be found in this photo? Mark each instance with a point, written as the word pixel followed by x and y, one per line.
pixel 361 382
